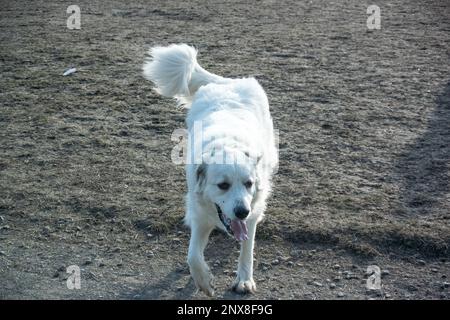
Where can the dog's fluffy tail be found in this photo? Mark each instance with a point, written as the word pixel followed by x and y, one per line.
pixel 175 72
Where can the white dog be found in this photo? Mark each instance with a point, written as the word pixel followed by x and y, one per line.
pixel 231 155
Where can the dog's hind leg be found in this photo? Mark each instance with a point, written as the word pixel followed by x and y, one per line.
pixel 197 265
pixel 244 282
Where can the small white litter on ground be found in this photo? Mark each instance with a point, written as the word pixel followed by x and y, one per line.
pixel 69 71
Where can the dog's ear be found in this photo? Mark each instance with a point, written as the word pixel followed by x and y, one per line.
pixel 258 159
pixel 200 174
pixel 251 155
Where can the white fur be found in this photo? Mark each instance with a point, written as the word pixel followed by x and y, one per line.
pixel 234 122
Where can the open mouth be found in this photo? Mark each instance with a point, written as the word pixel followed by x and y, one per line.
pixel 225 220
pixel 236 227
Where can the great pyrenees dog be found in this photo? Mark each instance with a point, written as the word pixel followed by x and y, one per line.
pixel 230 160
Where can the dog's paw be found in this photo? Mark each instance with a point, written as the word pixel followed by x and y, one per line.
pixel 204 281
pixel 205 284
pixel 244 286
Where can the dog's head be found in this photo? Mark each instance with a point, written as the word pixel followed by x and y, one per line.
pixel 230 185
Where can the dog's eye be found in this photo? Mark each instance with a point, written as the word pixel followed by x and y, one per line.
pixel 224 186
pixel 248 184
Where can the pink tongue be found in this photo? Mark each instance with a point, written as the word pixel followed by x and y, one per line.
pixel 239 229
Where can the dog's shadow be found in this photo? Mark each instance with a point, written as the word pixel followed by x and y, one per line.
pixel 423 169
pixel 173 285
pixel 166 288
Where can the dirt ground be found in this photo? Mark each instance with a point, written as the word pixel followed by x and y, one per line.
pixel 364 119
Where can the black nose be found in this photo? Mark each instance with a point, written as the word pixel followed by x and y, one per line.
pixel 241 212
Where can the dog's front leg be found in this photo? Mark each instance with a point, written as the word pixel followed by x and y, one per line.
pixel 197 265
pixel 244 282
